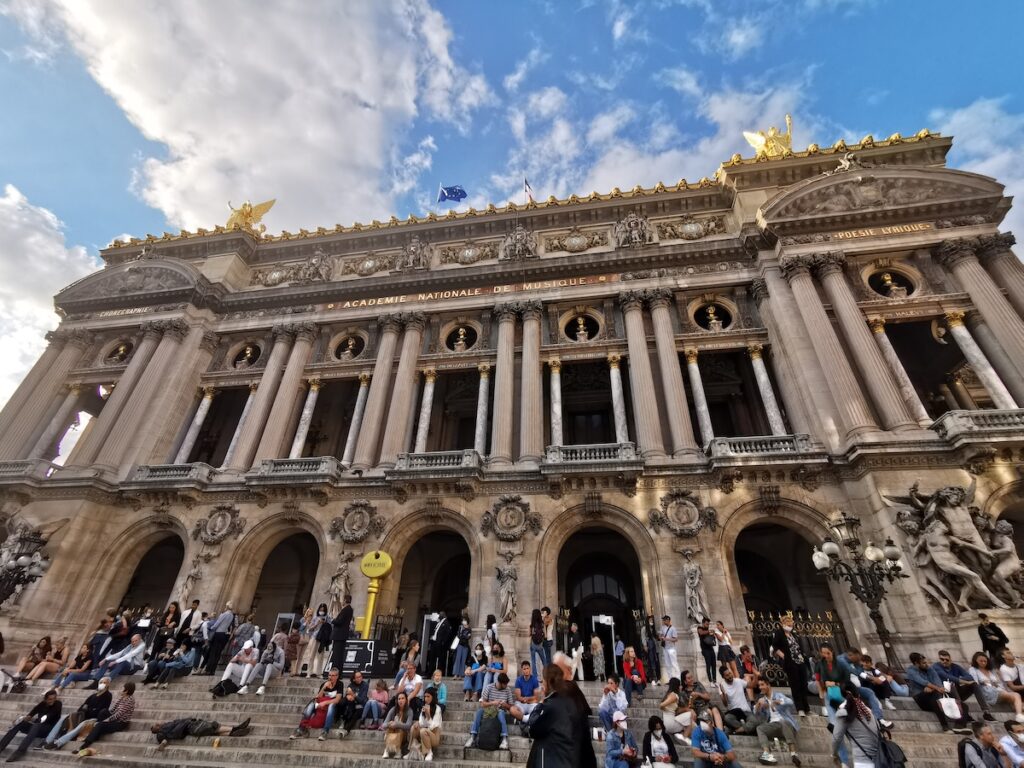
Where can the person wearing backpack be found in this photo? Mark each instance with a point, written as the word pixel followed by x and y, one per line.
pixel 855 722
pixel 979 751
pixel 495 697
pixel 536 639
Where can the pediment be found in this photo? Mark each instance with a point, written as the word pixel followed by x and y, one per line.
pixel 136 283
pixel 877 193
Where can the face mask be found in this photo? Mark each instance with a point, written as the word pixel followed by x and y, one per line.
pixel 323 613
pixel 657 732
pixel 101 687
pixel 787 629
pixel 706 727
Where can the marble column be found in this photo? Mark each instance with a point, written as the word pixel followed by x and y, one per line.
pixel 251 427
pixel 275 432
pixel 377 399
pixel 357 420
pixel 996 355
pixel 197 424
pixel 875 372
pixel 504 387
pixel 906 387
pixel 531 396
pixel 482 403
pixel 950 399
pixel 963 397
pixel 399 413
pixel 976 359
pixel 15 407
pixel 959 257
pixel 426 406
pixel 59 423
pixel 1004 266
pixel 641 380
pixel 555 387
pixel 764 386
pixel 851 407
pixel 700 402
pixel 618 399
pixel 241 423
pixel 680 428
pixel 137 408
pixel 299 441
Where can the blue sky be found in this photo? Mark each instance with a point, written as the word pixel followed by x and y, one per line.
pixel 149 116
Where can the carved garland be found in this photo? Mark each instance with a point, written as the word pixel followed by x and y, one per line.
pixel 681 515
pixel 359 521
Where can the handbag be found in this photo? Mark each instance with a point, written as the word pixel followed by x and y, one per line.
pixel 889 754
pixel 950 707
pixel 455 642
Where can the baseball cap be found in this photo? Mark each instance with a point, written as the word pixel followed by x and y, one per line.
pixel 619 717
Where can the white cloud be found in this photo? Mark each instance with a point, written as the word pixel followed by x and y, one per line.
pixel 607 125
pixel 546 103
pixel 533 59
pixel 35 263
pixel 408 169
pixel 681 80
pixel 988 139
pixel 304 103
pixel 742 35
pixel 625 22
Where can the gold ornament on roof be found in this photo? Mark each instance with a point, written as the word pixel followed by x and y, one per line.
pixel 773 143
pixel 247 216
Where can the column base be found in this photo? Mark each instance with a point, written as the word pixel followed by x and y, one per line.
pixel 498 462
pixel 529 462
pixel 690 456
pixel 653 454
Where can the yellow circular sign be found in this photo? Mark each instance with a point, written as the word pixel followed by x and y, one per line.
pixel 376 564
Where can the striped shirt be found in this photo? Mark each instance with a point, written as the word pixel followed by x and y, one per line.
pixel 123 710
pixel 495 694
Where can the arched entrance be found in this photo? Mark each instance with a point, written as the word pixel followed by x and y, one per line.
pixel 154 576
pixel 600 584
pixel 285 585
pixel 435 578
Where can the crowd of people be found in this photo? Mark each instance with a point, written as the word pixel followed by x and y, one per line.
pixel 541 699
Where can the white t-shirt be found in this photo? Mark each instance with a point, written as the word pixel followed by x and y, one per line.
pixel 659 748
pixel 735 694
pixel 670 636
pixel 410 685
pixel 1014 674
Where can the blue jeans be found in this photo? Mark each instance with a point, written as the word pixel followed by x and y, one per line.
pixel 606 719
pixel 73 677
pixel 52 737
pixel 629 686
pixel 868 697
pixel 548 645
pixel 898 689
pixel 461 654
pixel 329 722
pixel 537 649
pixel 473 682
pixel 371 710
pixel 844 754
pixel 121 668
pixel 490 677
pixel 480 716
pixel 70 735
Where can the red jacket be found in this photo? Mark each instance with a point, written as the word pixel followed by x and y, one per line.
pixel 636 668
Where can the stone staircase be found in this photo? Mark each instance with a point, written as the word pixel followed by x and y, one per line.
pixel 275 716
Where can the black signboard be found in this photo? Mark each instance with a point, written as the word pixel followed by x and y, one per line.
pixel 371 657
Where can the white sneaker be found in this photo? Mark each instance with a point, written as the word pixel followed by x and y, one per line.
pixel 887 703
pixel 504 744
pixel 1019 718
pixel 428 757
pixel 261 690
pixel 470 741
pixel 885 723
pixel 767 758
pixel 385 755
pixel 243 690
pixel 824 711
pixel 680 738
pixel 407 755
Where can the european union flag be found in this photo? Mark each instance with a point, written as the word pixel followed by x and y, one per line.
pixel 451 193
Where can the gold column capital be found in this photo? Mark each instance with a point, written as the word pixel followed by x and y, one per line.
pixel 755 351
pixel 314 385
pixel 208 392
pixel 253 386
pixel 430 375
pixel 691 355
pixel 955 318
pixel 877 324
pixel 555 364
pixel 613 360
pixel 485 370
pixel 364 379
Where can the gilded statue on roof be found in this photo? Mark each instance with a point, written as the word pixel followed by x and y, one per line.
pixel 247 216
pixel 773 143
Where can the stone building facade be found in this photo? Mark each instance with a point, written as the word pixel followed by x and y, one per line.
pixel 650 400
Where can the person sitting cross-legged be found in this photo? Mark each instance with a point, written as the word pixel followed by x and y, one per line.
pixel 39 720
pixel 776 719
pixel 496 696
pixel 94 708
pixel 118 719
pixel 613 700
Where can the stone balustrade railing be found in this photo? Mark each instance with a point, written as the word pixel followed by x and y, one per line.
pixel 438 460
pixel 573 454
pixel 16 468
pixel 313 466
pixel 160 473
pixel 760 446
pixel 958 424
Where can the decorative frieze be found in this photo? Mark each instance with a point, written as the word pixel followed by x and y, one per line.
pixel 576 240
pixel 468 253
pixel 690 228
pixel 680 513
pixel 359 521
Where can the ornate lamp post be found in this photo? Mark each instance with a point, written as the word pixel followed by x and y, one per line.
pixel 21 561
pixel 867 571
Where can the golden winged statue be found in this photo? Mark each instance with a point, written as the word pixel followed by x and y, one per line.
pixel 773 143
pixel 247 216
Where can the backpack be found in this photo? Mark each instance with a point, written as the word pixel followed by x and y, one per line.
pixel 890 754
pixel 224 688
pixel 489 736
pixel 537 634
pixel 961 751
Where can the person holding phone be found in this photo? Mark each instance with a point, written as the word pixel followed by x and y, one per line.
pixel 34 725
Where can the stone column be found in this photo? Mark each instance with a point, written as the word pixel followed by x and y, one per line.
pixel 357 420
pixel 15 407
pixel 482 403
pixel 197 424
pixel 680 428
pixel 241 423
pixel 906 387
pixel 963 397
pixel 531 402
pixel 875 373
pixel 700 402
pixel 426 405
pixel 137 409
pixel 555 387
pixel 299 441
pixel 504 387
pixel 1006 269
pixel 59 423
pixel 271 444
pixel 405 380
pixel 996 355
pixel 250 429
pixel 947 395
pixel 959 257
pixel 645 406
pixel 369 435
pixel 850 404
pixel 764 386
pixel 618 399
pixel 976 358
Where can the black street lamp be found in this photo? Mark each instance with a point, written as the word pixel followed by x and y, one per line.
pixel 22 561
pixel 867 571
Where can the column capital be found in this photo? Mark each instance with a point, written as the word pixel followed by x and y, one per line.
pixel 152 329
pixel 390 323
pixel 954 319
pixel 631 300
pixel 658 297
pixel 828 263
pixel 364 379
pixel 614 359
pixel 414 321
pixel 430 375
pixel 994 246
pixel 755 351
pixel 952 252
pixel 253 386
pixel 209 341
pixel 176 329
pixel 283 333
pixel 877 324
pixel 57 338
pixel 532 309
pixel 555 365
pixel 73 388
pixel 506 312
pixel 794 265
pixel 691 355
pixel 484 369
pixel 314 385
pixel 759 290
pixel 208 392
pixel 304 331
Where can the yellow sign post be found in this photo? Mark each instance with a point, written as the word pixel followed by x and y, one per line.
pixel 375 566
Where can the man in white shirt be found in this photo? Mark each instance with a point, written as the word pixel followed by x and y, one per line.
pixel 734 694
pixel 412 684
pixel 241 664
pixel 613 700
pixel 127 661
pixel 1012 744
pixel 1012 673
pixel 190 621
pixel 669 637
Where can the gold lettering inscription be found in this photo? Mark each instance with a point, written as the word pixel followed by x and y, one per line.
pixel 894 229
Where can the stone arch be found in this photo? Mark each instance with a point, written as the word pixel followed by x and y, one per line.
pixel 401 537
pixel 144 282
pixel 248 557
pixel 575 519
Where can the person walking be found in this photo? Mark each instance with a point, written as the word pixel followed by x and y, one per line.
pixel 341 624
pixel 537 660
pixel 777 719
pixel 855 722
pixel 311 663
pixel 597 654
pixel 551 724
